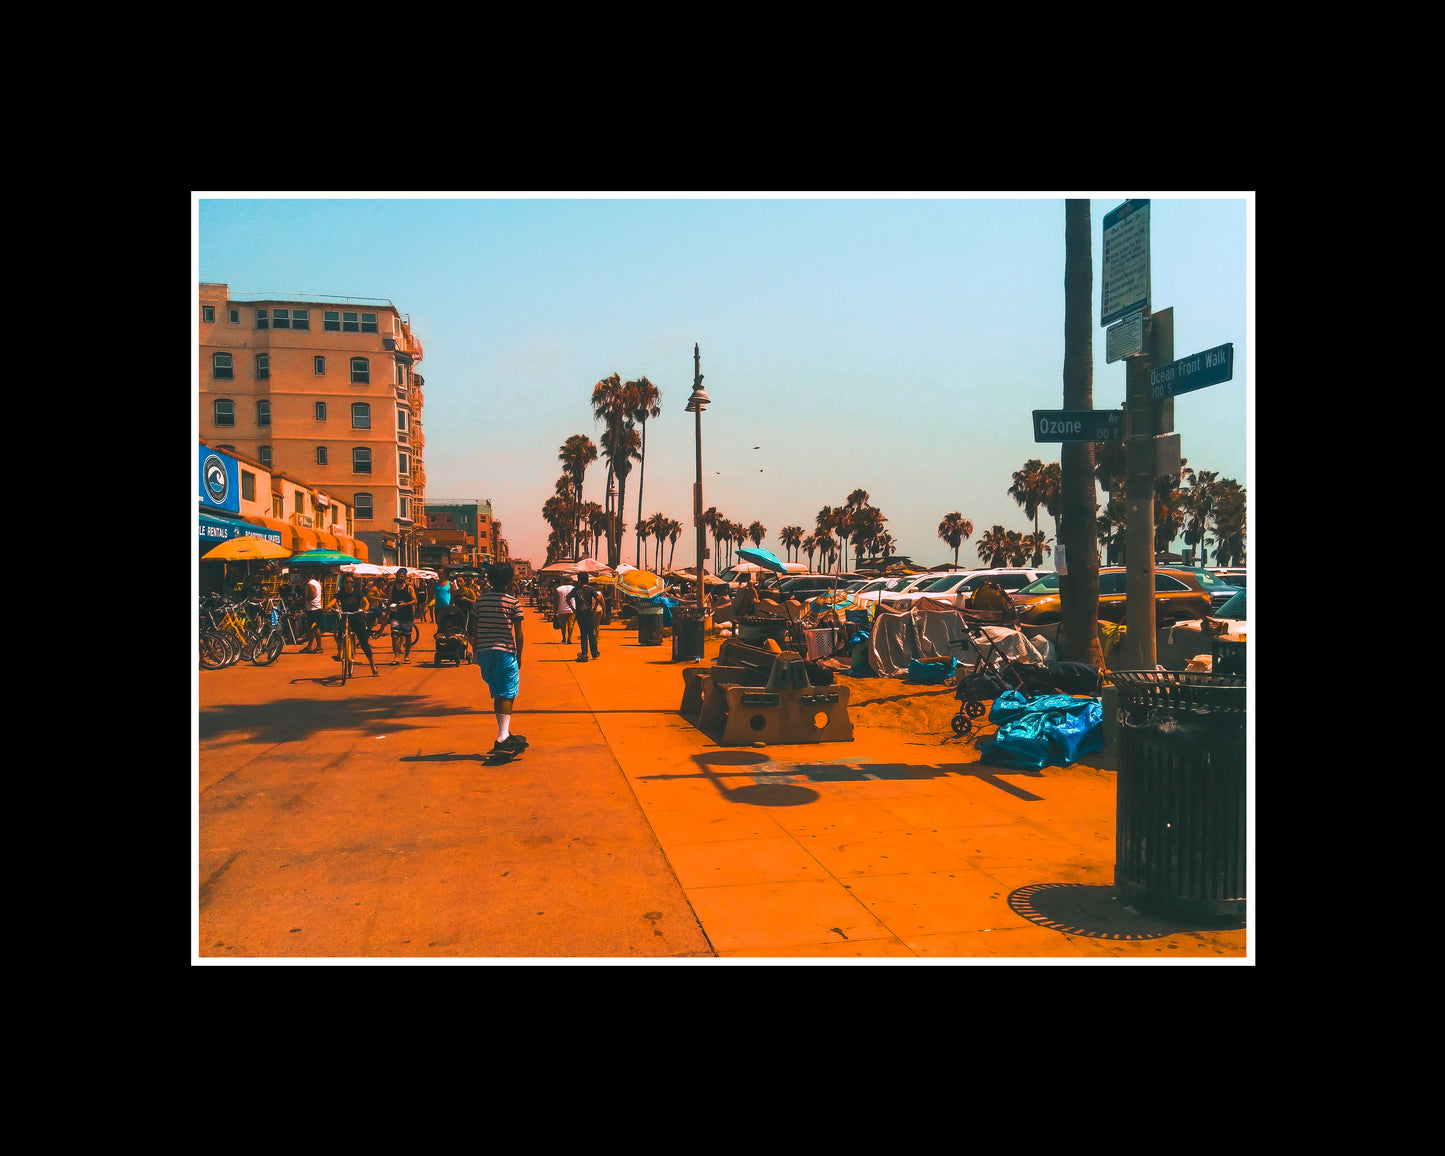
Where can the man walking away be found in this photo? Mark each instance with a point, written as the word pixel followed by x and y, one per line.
pixel 583 600
pixel 563 621
pixel 497 651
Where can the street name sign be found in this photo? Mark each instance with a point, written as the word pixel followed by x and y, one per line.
pixel 1126 261
pixel 1078 425
pixel 1208 367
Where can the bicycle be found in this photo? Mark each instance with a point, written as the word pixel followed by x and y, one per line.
pixel 271 637
pixel 346 641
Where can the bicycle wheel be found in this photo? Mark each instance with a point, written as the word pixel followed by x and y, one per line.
pixel 213 650
pixel 348 645
pixel 233 648
pixel 268 649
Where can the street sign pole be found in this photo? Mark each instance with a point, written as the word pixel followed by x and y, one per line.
pixel 1144 421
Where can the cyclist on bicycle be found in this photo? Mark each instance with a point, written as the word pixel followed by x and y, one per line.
pixel 376 596
pixel 401 605
pixel 351 604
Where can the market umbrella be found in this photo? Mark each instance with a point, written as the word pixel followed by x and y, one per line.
pixel 560 568
pixel 367 570
pixel 590 566
pixel 641 583
pixel 764 558
pixel 839 600
pixel 323 558
pixel 685 573
pixel 244 548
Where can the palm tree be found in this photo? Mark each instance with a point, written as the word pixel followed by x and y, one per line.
pixel 1198 502
pixel 756 533
pixel 1051 492
pixel 1082 461
pixel 791 537
pixel 954 529
pixel 867 527
pixel 810 547
pixel 613 404
pixel 646 403
pixel 1112 529
pixel 657 528
pixel 576 454
pixel 886 543
pixel 1028 489
pixel 1037 545
pixel 594 519
pixel 1230 523
pixel 674 532
pixel 724 534
pixel 993 546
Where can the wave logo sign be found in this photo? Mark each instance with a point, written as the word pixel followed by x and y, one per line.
pixel 218 484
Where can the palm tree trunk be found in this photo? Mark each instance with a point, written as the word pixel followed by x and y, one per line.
pixel 1079 590
pixel 641 470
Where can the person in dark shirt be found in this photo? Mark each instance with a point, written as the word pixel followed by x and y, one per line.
pixel 351 604
pixel 584 600
pixel 401 603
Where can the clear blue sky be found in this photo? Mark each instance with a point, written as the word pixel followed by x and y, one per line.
pixel 892 343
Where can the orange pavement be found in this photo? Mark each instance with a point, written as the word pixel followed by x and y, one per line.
pixel 360 822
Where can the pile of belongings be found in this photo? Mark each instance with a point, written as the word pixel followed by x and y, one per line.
pixel 1049 730
pixel 900 637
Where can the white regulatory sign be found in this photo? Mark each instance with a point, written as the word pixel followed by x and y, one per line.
pixel 1125 339
pixel 1126 261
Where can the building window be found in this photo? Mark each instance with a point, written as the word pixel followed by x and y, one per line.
pixel 263 366
pixel 331 321
pixel 301 319
pixel 349 323
pixel 263 412
pixel 320 411
pixel 264 456
pixel 261 322
pixel 360 371
pixel 403 466
pixel 225 411
pixel 368 323
pixel 361 460
pixel 318 365
pixel 360 415
pixel 221 366
pixel 400 374
pixel 401 418
pixel 208 314
pixel 361 507
pixel 403 505
pixel 248 486
pixel 296 500
pixel 281 319
pixel 235 317
pixel 321 455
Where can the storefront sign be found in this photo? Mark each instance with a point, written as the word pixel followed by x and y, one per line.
pixel 220 481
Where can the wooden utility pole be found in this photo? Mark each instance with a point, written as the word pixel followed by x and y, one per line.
pixel 1144 423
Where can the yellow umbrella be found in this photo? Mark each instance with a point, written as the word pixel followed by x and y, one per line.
pixel 640 583
pixel 245 548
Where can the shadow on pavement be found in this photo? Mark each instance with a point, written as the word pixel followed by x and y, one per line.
pixel 290 718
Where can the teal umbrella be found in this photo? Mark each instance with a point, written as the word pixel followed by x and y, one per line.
pixel 763 558
pixel 322 558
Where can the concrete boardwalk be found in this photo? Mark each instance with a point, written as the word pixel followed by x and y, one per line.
pixel 362 822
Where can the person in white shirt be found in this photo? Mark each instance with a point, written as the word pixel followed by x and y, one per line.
pixel 563 620
pixel 313 616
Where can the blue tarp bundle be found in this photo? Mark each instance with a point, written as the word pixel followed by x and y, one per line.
pixel 1049 730
pixel 660 600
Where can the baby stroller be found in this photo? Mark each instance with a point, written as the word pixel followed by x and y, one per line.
pixel 996 670
pixel 451 639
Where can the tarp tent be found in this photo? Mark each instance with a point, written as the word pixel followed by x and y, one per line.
pixel 907 635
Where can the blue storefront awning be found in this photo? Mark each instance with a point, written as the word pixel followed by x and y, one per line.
pixel 214 531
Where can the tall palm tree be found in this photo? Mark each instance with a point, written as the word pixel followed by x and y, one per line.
pixel 1078 476
pixel 867 527
pixel 886 543
pixel 1028 489
pixel 674 532
pixel 646 403
pixel 1051 492
pixel 657 529
pixel 1230 518
pixel 1112 529
pixel 954 529
pixel 857 499
pixel 810 547
pixel 756 533
pixel 1037 545
pixel 613 404
pixel 791 537
pixel 594 521
pixel 824 524
pixel 576 454
pixel 993 546
pixel 1198 502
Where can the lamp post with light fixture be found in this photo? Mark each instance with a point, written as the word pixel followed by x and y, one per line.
pixel 696 404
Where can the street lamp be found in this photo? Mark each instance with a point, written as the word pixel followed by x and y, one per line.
pixel 698 402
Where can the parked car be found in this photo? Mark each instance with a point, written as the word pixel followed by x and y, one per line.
pixel 1219 588
pixel 805 586
pixel 1178 596
pixel 945 586
pixel 1234 575
pixel 1236 607
pixel 1009 578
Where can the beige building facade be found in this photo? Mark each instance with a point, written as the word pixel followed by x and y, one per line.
pixel 323 392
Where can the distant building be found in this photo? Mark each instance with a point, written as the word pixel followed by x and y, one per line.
pixel 325 392
pixel 466 528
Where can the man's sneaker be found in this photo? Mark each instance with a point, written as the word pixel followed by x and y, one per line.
pixel 514 743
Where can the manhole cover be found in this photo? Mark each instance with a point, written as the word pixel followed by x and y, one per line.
pixel 1097 913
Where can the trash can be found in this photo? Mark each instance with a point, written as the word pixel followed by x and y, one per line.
pixel 649 625
pixel 686 635
pixel 1181 830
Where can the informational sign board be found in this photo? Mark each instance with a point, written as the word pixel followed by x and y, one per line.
pixel 1208 367
pixel 1125 339
pixel 1078 425
pixel 1126 261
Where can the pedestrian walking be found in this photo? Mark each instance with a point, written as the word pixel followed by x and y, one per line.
pixel 563 620
pixel 313 616
pixel 497 651
pixel 401 603
pixel 583 601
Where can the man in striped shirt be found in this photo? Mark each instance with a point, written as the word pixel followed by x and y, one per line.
pixel 497 651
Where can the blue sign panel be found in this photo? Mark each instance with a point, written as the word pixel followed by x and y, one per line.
pixel 220 481
pixel 1193 372
pixel 214 531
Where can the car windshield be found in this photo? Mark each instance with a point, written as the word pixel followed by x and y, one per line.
pixel 1233 608
pixel 936 584
pixel 1047 584
pixel 1208 580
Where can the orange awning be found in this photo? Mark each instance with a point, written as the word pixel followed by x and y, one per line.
pixel 327 541
pixel 285 529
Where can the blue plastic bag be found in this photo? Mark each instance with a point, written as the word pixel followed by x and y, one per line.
pixel 1050 730
pixel 930 672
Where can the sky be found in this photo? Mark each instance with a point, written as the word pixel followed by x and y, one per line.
pixel 895 343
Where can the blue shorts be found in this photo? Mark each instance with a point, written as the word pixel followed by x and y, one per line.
pixel 499 669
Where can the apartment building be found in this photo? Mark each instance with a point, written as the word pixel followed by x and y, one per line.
pixel 324 391
pixel 480 534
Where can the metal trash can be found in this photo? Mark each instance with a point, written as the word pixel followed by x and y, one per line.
pixel 1227 657
pixel 649 625
pixel 1182 829
pixel 687 635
